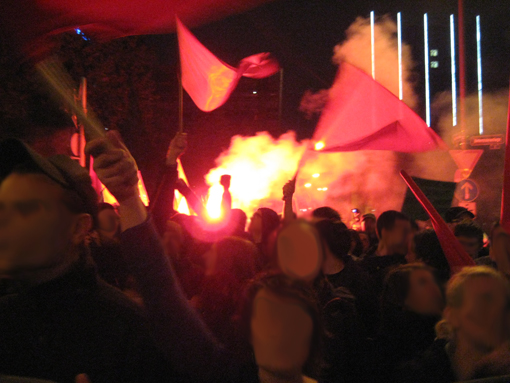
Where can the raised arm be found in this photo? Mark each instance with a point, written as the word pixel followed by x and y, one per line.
pixel 288 193
pixel 190 347
pixel 162 204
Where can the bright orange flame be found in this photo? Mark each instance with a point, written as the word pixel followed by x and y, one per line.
pixel 180 203
pixel 213 205
pixel 319 145
pixel 259 167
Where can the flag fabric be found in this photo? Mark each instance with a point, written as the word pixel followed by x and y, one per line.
pixel 28 23
pixel 207 79
pixel 439 193
pixel 452 248
pixel 361 114
pixel 505 197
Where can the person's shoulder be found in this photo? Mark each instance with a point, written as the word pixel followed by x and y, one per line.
pixel 433 366
pixel 486 261
pixel 110 296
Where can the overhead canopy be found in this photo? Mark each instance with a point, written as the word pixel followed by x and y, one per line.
pixel 29 22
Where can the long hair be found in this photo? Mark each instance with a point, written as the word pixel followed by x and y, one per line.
pixel 455 293
pixel 222 290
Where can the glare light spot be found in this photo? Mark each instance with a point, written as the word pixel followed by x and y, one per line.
pixel 316 175
pixel 213 205
pixel 324 189
pixel 308 185
pixel 254 92
pixel 319 145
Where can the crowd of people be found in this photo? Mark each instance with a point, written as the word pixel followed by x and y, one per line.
pixel 90 292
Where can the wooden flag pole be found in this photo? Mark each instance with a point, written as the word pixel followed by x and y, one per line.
pixel 181 105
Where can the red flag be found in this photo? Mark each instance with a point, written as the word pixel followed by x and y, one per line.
pixel 208 80
pixel 361 114
pixel 505 197
pixel 453 250
pixel 30 22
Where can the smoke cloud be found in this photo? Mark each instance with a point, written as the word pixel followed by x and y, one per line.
pixel 367 180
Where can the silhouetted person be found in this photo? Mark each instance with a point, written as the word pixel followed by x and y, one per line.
pixel 262 225
pixel 470 236
pixel 60 320
pixel 342 271
pixel 281 322
pixel 429 251
pixel 326 212
pixel 473 335
pixel 394 233
pixel 230 264
pixel 411 305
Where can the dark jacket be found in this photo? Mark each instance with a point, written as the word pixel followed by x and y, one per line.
pixel 77 324
pixel 379 266
pixel 403 336
pixel 355 279
pixel 162 202
pixel 433 367
pixel 180 332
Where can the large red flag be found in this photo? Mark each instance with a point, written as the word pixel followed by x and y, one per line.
pixel 505 197
pixel 361 114
pixel 452 248
pixel 208 80
pixel 29 22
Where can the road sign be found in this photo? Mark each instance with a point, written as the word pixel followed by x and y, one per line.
pixel 467 191
pixel 495 141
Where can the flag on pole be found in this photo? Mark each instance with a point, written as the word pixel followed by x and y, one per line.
pixel 361 114
pixel 207 79
pixel 452 248
pixel 505 197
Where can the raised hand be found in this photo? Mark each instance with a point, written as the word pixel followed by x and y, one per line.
pixel 225 181
pixel 289 189
pixel 114 165
pixel 177 148
pixel 117 170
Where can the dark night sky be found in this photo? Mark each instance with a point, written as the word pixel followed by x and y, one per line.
pixel 302 34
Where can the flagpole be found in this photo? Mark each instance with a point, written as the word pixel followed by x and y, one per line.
pixel 83 99
pixel 280 100
pixel 181 105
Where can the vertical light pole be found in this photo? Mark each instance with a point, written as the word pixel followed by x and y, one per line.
pixel 453 70
pixel 399 37
pixel 427 77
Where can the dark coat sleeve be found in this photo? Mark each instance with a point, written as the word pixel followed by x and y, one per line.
pixel 188 344
pixel 162 204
